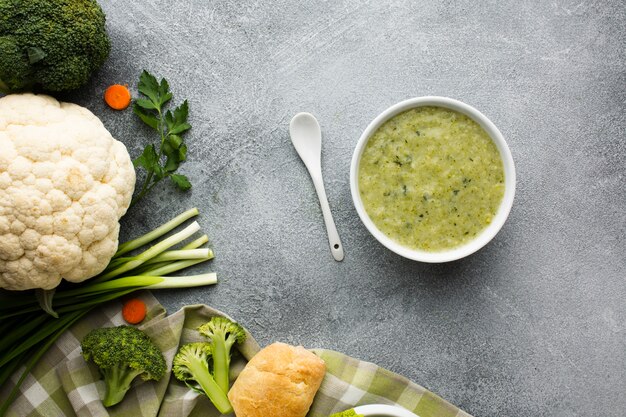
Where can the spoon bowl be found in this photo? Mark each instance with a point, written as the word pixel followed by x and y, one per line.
pixel 306 136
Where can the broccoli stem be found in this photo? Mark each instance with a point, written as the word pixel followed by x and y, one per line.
pixel 221 362
pixel 203 377
pixel 118 380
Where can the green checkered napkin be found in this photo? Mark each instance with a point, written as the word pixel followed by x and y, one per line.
pixel 63 384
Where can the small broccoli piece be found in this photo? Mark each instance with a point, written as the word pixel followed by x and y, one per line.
pixel 122 353
pixel 191 365
pixel 52 44
pixel 222 334
pixel 347 413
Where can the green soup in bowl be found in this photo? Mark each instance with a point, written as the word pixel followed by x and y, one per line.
pixel 432 179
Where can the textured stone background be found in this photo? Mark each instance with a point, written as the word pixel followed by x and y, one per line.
pixel 533 324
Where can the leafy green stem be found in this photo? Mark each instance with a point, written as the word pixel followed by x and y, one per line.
pixel 170 125
pixel 156 233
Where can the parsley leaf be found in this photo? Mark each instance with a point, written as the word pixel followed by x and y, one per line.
pixel 163 159
pixel 181 181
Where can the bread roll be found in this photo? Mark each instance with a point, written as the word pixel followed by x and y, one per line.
pixel 280 381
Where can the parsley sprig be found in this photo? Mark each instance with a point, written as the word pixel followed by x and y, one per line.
pixel 171 126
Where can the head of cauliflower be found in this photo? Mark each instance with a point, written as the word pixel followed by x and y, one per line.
pixel 64 184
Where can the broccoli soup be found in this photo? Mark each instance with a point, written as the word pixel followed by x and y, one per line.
pixel 431 179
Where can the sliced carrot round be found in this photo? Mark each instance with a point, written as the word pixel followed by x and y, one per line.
pixel 134 311
pixel 117 97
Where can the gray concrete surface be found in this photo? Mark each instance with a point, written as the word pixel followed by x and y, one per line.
pixel 532 325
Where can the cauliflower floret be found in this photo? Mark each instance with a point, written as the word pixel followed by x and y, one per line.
pixel 64 184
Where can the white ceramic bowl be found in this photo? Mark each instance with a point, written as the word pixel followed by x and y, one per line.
pixel 380 410
pixel 509 180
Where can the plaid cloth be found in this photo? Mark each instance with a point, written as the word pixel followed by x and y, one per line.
pixel 63 384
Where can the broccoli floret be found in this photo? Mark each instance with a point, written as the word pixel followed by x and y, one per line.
pixel 191 365
pixel 51 44
pixel 122 353
pixel 222 334
pixel 347 413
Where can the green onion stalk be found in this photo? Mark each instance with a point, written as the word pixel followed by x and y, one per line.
pixel 30 322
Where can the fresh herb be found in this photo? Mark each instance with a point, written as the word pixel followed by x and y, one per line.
pixel 163 160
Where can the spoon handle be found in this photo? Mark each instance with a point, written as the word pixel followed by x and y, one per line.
pixel 336 248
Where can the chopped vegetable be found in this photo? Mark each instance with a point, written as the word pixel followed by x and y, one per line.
pixel 28 332
pixel 122 354
pixel 222 334
pixel 117 97
pixel 52 44
pixel 134 311
pixel 163 160
pixel 191 365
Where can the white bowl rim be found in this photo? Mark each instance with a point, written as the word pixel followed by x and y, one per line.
pixel 383 410
pixel 509 180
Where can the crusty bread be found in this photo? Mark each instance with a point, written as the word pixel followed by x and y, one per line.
pixel 280 381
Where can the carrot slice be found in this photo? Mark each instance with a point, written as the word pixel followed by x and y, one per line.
pixel 117 97
pixel 134 311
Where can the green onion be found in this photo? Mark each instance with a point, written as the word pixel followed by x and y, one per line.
pixel 156 233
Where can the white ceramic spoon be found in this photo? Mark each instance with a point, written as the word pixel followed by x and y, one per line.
pixel 306 137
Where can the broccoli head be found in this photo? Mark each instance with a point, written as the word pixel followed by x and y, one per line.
pixel 347 413
pixel 122 353
pixel 222 334
pixel 191 365
pixel 54 45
